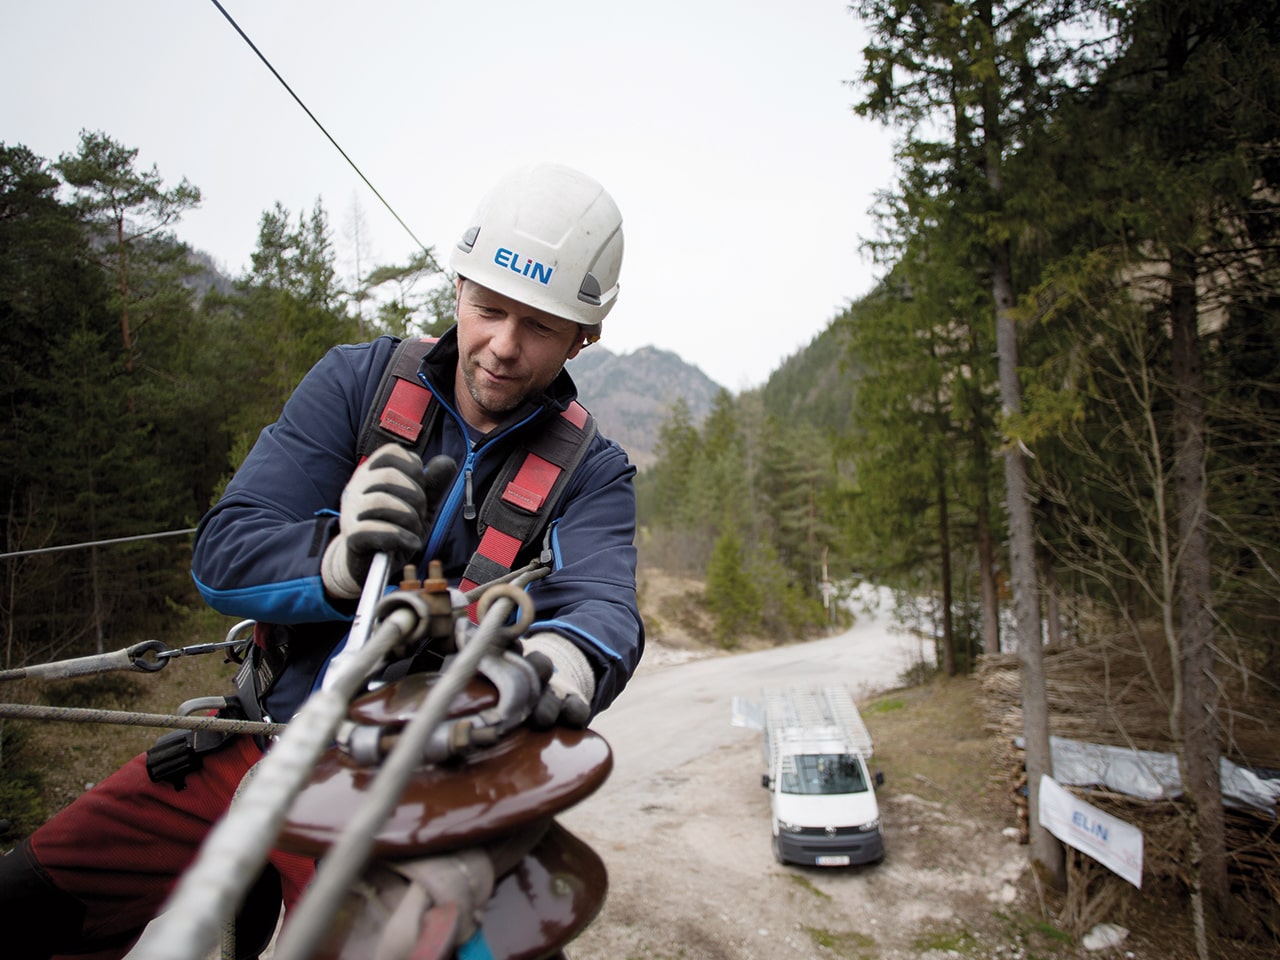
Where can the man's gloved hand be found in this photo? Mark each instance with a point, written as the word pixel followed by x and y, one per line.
pixel 567 678
pixel 385 507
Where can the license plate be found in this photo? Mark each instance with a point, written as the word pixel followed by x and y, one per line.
pixel 833 861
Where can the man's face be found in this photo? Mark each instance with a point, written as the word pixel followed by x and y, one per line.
pixel 507 351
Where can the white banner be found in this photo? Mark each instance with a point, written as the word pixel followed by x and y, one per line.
pixel 1113 843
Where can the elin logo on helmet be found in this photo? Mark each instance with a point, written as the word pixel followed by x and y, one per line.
pixel 530 268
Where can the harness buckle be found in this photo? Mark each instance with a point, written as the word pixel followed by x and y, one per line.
pixel 179 753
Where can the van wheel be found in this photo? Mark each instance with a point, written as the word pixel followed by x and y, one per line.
pixel 777 851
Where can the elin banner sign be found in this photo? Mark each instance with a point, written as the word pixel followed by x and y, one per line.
pixel 1113 843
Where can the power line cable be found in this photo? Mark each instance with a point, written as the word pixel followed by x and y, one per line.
pixel 276 73
pixel 96 543
pixel 359 172
pixel 34 711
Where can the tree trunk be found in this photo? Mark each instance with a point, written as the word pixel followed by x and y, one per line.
pixel 986 547
pixel 987 583
pixel 1046 852
pixel 944 546
pixel 126 331
pixel 122 286
pixel 95 583
pixel 1201 735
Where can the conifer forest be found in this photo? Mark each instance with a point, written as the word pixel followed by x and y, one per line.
pixel 1055 421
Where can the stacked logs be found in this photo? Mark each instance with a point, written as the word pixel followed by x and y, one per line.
pixel 1121 693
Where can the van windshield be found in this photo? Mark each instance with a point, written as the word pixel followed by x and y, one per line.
pixel 824 773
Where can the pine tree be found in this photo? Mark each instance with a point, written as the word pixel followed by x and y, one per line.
pixel 284 314
pixel 1178 176
pixel 133 210
pixel 984 74
pixel 731 594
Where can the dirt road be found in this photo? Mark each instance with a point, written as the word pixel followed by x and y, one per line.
pixel 683 826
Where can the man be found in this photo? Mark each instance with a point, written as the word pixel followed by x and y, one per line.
pixel 291 540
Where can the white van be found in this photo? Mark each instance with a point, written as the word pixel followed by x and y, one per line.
pixel 822 795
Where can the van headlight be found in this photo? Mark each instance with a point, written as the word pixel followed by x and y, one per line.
pixel 870 826
pixel 784 827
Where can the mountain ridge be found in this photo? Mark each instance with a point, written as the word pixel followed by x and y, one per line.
pixel 632 394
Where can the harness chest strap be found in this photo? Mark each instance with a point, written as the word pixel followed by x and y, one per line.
pixel 530 487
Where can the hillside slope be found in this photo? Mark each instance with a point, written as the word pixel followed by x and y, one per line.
pixel 632 394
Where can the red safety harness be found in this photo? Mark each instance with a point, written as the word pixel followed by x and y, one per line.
pixel 525 492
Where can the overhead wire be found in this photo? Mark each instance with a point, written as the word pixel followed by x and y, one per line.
pixel 96 543
pixel 134 718
pixel 306 109
pixel 360 173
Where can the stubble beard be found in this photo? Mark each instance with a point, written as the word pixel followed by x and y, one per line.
pixel 493 403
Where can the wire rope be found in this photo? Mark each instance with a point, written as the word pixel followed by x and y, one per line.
pixel 130 718
pixel 96 543
pixel 316 121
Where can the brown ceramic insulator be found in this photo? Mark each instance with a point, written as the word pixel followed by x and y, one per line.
pixel 549 898
pixel 529 775
pixel 395 704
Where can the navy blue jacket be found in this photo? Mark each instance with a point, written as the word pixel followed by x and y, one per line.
pixel 257 552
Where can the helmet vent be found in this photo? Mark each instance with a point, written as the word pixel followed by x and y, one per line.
pixel 589 292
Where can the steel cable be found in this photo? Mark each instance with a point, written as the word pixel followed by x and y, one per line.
pixel 129 718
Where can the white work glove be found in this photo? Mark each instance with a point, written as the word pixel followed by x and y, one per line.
pixel 568 682
pixel 385 506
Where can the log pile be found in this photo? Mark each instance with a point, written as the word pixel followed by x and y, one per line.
pixel 1102 693
pixel 1122 695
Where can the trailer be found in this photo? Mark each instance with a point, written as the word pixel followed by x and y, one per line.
pixel 822 795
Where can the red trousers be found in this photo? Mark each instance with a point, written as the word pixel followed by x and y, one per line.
pixel 121 847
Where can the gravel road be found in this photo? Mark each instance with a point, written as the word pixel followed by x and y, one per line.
pixel 683 824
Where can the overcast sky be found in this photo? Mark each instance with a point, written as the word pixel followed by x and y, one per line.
pixel 723 128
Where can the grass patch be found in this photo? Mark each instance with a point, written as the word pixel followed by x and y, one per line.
pixel 1021 934
pixel 104 691
pixel 843 944
pixel 959 941
pixel 803 883
pixel 930 740
pixel 21 782
pixel 1050 932
pixel 1039 937
pixel 886 705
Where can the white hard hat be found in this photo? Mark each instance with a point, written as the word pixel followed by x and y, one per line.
pixel 549 237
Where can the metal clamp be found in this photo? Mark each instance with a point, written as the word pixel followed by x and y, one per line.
pixel 139 650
